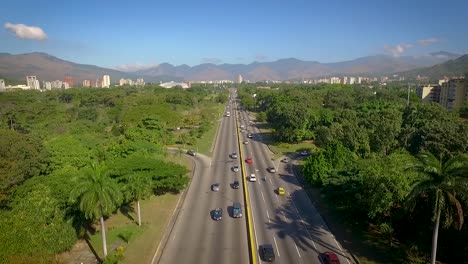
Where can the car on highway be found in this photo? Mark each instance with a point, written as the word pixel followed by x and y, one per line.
pixel 271 169
pixel 236 185
pixel 330 258
pixel 246 142
pixel 252 178
pixel 242 126
pixel 285 160
pixel 267 253
pixel 250 136
pixel 217 214
pixel 281 191
pixel 234 155
pixel 235 168
pixel 236 210
pixel 249 160
pixel 191 152
pixel 215 187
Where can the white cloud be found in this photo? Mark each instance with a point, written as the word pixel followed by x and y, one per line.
pixel 26 32
pixel 427 42
pixel 399 49
pixel 134 67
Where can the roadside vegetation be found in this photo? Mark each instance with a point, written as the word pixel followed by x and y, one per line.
pixel 71 159
pixel 397 172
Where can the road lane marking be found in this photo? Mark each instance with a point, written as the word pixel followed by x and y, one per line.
pixel 269 220
pixel 336 242
pixel 297 250
pixel 277 198
pixel 269 178
pixel 276 247
pixel 302 223
pixel 263 197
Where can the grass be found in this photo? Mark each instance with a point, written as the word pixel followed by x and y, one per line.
pixel 140 243
pixel 280 148
pixel 205 143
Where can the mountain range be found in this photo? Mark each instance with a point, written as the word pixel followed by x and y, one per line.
pixel 47 67
pixel 452 68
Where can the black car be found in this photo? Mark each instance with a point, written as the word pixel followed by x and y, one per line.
pixel 267 253
pixel 217 214
pixel 191 152
pixel 235 185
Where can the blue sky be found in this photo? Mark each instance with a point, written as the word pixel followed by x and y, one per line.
pixel 139 33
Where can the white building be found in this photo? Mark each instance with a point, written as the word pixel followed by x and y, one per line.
pixel 2 85
pixel 240 79
pixel 122 82
pixel 46 85
pixel 33 83
pixel 335 80
pixel 57 84
pixel 352 80
pixel 172 84
pixel 106 81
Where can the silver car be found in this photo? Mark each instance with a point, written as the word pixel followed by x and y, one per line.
pixel 215 187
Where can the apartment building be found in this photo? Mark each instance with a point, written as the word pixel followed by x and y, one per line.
pixel 429 93
pixel 453 93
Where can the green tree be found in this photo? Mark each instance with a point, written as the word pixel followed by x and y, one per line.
pixel 138 187
pixel 447 183
pixel 98 195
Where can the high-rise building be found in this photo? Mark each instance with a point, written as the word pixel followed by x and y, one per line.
pixel 352 80
pixel 429 93
pixel 2 85
pixel 86 83
pixel 33 83
pixel 46 85
pixel 453 93
pixel 97 83
pixel 345 80
pixel 68 80
pixel 240 79
pixel 106 81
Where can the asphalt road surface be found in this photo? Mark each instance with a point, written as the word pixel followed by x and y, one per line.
pixel 196 237
pixel 290 222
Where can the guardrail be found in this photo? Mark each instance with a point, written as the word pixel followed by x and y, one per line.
pixel 252 246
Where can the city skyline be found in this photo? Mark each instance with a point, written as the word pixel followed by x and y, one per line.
pixel 133 37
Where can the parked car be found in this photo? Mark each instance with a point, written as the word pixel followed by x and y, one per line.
pixel 191 152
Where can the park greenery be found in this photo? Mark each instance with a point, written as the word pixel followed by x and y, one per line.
pixel 70 158
pixel 380 160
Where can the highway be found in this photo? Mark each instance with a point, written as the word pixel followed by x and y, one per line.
pixel 290 222
pixel 196 237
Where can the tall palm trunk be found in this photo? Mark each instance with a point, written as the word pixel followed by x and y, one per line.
pixel 435 234
pixel 103 235
pixel 138 212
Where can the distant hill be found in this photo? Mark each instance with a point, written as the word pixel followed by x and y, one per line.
pixel 290 69
pixel 49 68
pixel 451 68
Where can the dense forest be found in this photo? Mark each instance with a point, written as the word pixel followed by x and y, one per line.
pixel 70 158
pixel 379 159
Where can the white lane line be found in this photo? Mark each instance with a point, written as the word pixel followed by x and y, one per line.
pixel 269 220
pixel 263 197
pixel 302 223
pixel 277 198
pixel 336 242
pixel 276 246
pixel 297 250
pixel 347 261
pixel 270 180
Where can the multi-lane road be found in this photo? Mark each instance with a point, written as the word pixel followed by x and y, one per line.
pixel 290 223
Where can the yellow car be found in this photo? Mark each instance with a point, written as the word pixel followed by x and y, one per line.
pixel 281 191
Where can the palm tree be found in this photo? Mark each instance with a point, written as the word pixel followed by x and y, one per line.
pixel 138 187
pixel 448 183
pixel 98 195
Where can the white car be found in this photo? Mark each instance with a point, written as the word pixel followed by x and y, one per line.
pixel 252 178
pixel 246 142
pixel 235 168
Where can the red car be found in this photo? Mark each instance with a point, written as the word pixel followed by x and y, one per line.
pixel 330 258
pixel 249 160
